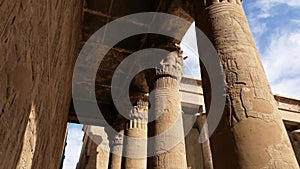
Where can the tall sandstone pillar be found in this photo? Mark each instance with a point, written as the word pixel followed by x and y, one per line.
pixel 137 128
pixel 117 145
pixel 93 154
pixel 206 151
pixel 166 101
pixel 251 134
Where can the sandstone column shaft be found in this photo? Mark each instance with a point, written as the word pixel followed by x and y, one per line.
pixel 136 128
pixel 95 149
pixel 166 101
pixel 117 148
pixel 251 134
pixel 207 156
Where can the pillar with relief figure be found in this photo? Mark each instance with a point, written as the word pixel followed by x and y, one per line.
pixel 251 133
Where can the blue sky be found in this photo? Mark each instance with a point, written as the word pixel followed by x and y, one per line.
pixel 275 25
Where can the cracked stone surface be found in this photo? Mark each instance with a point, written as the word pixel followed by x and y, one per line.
pixel 251 134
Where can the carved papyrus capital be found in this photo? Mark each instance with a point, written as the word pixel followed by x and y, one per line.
pixel 140 111
pixel 212 2
pixel 172 65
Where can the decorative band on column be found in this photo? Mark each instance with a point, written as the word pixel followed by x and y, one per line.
pixel 138 116
pixel 239 2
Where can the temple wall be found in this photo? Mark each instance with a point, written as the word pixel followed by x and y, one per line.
pixel 39 44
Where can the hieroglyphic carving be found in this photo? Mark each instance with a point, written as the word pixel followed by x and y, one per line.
pixel 232 27
pixel 249 103
pixel 278 151
pixel 239 2
pixel 234 42
pixel 167 109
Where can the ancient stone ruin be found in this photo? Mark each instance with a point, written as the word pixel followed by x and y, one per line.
pixel 40 44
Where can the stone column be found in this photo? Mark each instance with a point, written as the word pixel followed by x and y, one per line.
pixel 102 151
pixel 206 151
pixel 117 147
pixel 295 140
pixel 94 152
pixel 102 158
pixel 136 128
pixel 251 133
pixel 165 101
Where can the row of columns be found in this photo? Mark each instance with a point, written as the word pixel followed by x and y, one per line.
pixel 166 106
pixel 131 138
pixel 95 157
pixel 251 133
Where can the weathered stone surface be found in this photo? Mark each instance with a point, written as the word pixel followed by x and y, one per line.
pixel 167 108
pixel 251 134
pixel 39 44
pixel 117 148
pixel 137 128
pixel 194 153
pixel 205 146
pixel 38 49
pixel 94 153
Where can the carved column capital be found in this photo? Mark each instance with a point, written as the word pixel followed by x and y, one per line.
pixel 140 111
pixel 172 65
pixel 138 115
pixel 212 2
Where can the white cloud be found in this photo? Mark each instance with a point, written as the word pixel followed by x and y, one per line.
pixel 282 63
pixel 296 21
pixel 279 46
pixel 73 148
pixel 288 87
pixel 258 28
pixel 266 6
pixel 271 3
pixel 190 49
